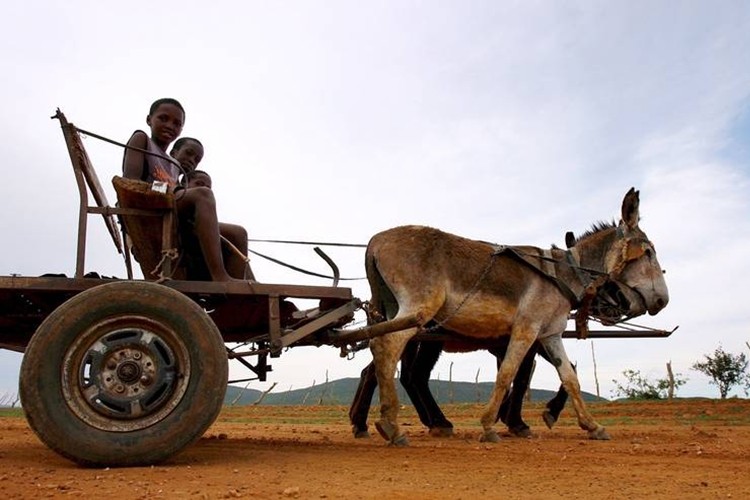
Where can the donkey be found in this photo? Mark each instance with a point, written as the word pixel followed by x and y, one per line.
pixel 417 362
pixel 480 290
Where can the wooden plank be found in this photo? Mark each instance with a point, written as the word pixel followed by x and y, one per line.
pixel 190 287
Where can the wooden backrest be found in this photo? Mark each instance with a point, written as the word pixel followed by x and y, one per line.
pixel 150 221
pixel 87 180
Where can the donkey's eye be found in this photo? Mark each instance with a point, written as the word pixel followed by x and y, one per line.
pixel 648 253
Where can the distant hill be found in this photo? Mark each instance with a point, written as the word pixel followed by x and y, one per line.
pixel 341 392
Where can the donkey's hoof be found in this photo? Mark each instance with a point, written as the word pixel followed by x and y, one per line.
pixel 400 441
pixel 600 434
pixel 390 433
pixel 361 434
pixel 441 432
pixel 522 432
pixel 549 419
pixel 489 436
pixel 385 429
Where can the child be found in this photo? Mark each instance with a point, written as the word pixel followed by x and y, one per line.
pixel 198 178
pixel 189 152
pixel 166 118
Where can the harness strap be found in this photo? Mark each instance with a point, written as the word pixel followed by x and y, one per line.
pixel 573 260
pixel 544 263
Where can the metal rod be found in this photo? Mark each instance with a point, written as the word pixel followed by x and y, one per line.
pixel 376 330
pixel 321 243
pixel 242 354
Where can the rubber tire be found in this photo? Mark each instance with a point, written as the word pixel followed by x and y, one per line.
pixel 185 326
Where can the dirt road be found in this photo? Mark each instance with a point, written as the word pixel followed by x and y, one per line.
pixel 681 449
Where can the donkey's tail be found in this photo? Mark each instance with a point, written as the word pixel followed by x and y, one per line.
pixel 383 304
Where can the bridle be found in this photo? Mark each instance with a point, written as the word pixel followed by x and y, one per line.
pixel 603 299
pixel 599 293
pixel 633 249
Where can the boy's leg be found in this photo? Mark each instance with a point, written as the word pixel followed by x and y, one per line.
pixel 199 205
pixel 236 264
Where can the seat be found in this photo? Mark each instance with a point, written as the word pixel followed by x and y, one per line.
pixel 149 219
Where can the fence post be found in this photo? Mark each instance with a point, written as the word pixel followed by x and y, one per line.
pixel 596 377
pixel 450 383
pixel 265 393
pixel 239 395
pixel 323 392
pixel 476 383
pixel 670 378
pixel 304 400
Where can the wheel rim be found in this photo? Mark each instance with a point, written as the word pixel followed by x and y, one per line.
pixel 126 373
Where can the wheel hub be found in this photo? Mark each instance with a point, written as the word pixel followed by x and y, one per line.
pixel 128 374
pixel 128 371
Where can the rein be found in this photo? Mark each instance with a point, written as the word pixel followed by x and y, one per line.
pixel 125 146
pixel 299 269
pixel 571 260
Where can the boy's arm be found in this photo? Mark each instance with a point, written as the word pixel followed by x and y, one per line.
pixel 132 163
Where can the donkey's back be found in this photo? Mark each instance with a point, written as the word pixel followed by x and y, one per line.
pixel 463 284
pixel 429 251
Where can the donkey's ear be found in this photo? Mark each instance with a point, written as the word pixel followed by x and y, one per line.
pixel 570 239
pixel 630 214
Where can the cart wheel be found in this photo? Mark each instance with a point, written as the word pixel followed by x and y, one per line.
pixel 127 373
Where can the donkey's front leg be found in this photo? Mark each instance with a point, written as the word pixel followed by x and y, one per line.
pixel 520 342
pixel 554 347
pixel 386 352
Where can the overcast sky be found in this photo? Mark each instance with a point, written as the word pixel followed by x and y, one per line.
pixel 510 122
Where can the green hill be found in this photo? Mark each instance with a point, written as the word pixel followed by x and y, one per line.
pixel 341 392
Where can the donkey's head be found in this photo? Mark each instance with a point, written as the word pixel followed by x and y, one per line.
pixel 630 261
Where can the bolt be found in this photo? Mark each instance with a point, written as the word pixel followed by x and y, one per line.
pixel 146 380
pixel 111 365
pixel 136 355
pixel 120 388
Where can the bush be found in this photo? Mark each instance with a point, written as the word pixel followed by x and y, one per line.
pixel 639 387
pixel 725 369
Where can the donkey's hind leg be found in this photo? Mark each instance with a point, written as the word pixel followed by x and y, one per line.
pixel 362 401
pixel 386 352
pixel 554 347
pixel 417 362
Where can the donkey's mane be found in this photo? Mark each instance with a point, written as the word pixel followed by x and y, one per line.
pixel 597 227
